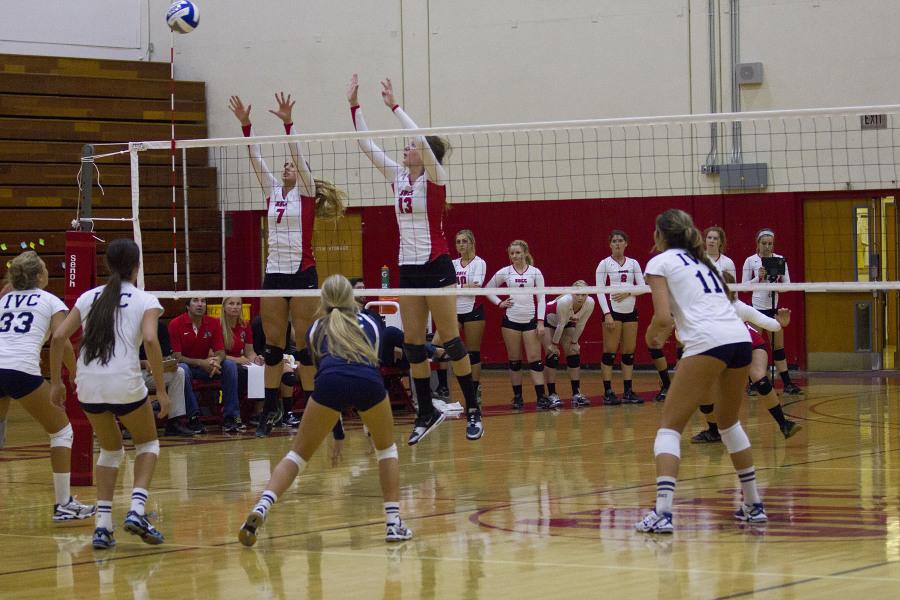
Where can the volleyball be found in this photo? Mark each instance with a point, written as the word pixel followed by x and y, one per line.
pixel 183 16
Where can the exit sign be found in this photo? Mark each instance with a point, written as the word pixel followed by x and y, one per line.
pixel 873 121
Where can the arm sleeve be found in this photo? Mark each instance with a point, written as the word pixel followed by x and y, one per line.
pixel 753 316
pixel 730 268
pixel 563 313
pixel 747 274
pixel 307 183
pixel 638 278
pixel 541 298
pixel 496 281
pixel 583 319
pixel 436 172
pixel 266 180
pixel 601 281
pixel 218 341
pixel 379 157
pixel 479 272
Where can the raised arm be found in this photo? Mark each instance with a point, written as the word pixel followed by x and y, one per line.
pixel 266 180
pixel 435 170
pixel 384 163
pixel 306 183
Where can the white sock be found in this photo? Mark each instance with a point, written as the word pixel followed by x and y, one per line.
pixel 104 514
pixel 138 500
pixel 266 501
pixel 61 488
pixel 748 486
pixel 392 512
pixel 665 494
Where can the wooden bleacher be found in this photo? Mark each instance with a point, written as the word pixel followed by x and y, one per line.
pixel 49 108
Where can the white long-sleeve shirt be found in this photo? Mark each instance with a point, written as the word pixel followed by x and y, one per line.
pixel 473 273
pixel 625 275
pixel 523 308
pixel 725 265
pixel 762 300
pixel 565 314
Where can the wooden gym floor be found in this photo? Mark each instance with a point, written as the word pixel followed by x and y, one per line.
pixel 541 507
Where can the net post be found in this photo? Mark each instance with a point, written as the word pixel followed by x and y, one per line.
pixel 86 185
pixel 187 239
pixel 135 208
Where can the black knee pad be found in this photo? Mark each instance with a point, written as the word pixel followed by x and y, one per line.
pixel 455 349
pixel 609 358
pixel 304 357
pixel 573 361
pixel 475 358
pixel 273 355
pixel 706 409
pixel 628 359
pixel 552 361
pixel 415 353
pixel 778 354
pixel 289 379
pixel 536 366
pixel 515 365
pixel 764 386
pixel 656 353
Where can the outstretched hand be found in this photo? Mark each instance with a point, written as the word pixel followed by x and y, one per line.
pixel 237 107
pixel 285 108
pixel 353 90
pixel 783 317
pixel 387 93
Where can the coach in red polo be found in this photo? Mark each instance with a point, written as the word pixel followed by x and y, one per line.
pixel 197 341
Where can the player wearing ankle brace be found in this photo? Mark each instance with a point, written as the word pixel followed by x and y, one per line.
pixel 688 292
pixel 344 344
pixel 28 314
pixel 115 318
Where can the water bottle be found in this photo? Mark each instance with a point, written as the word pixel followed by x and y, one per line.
pixel 385 277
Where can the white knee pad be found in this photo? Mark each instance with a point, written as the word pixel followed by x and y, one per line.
pixel 111 458
pixel 734 438
pixel 297 460
pixel 62 438
pixel 668 441
pixel 387 453
pixel 147 448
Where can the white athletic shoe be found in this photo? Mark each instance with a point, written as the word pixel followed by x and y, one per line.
pixel 754 513
pixel 398 532
pixel 655 523
pixel 72 510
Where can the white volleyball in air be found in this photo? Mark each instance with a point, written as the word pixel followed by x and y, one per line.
pixel 183 16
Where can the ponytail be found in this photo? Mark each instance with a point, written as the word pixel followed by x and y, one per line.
pixel 99 340
pixel 339 329
pixel 676 229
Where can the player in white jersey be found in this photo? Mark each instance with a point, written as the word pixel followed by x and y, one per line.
pixel 523 322
pixel 565 320
pixel 767 302
pixel 470 273
pixel 28 314
pixel 420 198
pixel 620 318
pixel 755 322
pixel 714 238
pixel 115 319
pixel 689 293
pixel 293 206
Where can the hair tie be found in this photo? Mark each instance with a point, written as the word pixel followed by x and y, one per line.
pixel 763 232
